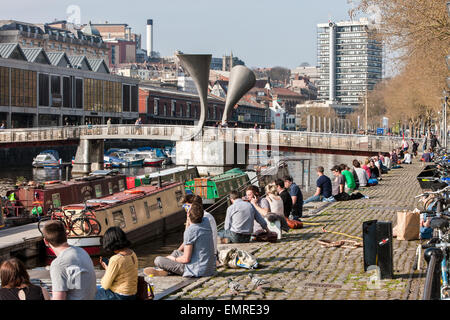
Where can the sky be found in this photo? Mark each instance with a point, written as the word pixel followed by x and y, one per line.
pixel 262 33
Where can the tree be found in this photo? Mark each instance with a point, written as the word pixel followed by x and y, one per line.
pixel 279 74
pixel 417 33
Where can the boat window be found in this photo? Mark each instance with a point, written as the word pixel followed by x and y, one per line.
pixel 118 219
pixel 110 187
pixel 121 185
pixel 133 214
pixel 147 209
pixel 159 204
pixel 98 190
pixel 106 221
pixel 56 199
pixel 178 195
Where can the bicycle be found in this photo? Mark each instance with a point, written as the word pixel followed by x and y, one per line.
pixel 84 223
pixel 436 255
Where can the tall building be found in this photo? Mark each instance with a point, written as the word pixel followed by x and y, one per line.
pixel 350 61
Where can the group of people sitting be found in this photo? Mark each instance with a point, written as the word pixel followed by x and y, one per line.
pixel 72 272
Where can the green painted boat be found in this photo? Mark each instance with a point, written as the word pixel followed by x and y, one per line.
pixel 212 188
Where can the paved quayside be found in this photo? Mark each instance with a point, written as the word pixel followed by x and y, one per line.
pixel 298 267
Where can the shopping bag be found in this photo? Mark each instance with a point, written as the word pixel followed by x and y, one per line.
pixel 408 225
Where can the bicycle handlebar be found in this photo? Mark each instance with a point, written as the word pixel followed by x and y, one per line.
pixel 433 192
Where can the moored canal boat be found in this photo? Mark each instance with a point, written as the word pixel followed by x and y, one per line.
pixel 143 213
pixel 20 203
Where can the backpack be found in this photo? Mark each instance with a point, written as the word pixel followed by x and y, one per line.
pixel 237 258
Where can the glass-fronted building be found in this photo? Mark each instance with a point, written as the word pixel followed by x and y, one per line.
pixel 39 89
pixel 350 61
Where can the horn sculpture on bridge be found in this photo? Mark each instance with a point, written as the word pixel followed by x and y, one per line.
pixel 242 79
pixel 197 65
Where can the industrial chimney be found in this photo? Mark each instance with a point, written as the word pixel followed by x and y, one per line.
pixel 149 37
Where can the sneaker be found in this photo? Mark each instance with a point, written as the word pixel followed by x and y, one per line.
pixel 155 272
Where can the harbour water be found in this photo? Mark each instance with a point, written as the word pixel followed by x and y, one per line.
pixel 165 245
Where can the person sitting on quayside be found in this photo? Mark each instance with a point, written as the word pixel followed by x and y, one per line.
pixel 427 156
pixel 197 258
pixel 239 221
pixel 408 158
pixel 72 272
pixel 16 283
pixel 297 198
pixel 363 178
pixel 350 184
pixel 120 279
pixel 187 202
pixel 339 181
pixel 285 196
pixel 261 204
pixel 324 187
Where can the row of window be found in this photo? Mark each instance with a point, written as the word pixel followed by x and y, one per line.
pixel 187 111
pixel 27 89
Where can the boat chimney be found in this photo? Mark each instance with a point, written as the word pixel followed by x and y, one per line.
pixel 159 181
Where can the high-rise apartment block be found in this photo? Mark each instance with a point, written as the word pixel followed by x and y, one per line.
pixel 350 60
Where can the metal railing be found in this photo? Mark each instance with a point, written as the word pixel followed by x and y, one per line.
pixel 259 137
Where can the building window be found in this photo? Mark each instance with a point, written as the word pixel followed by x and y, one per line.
pixel 67 92
pixel 173 109
pixel 155 106
pixel 126 98
pixel 134 99
pixel 56 91
pixel 188 110
pixel 44 87
pixel 165 109
pixel 79 93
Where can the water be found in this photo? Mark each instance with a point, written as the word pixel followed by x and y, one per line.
pixel 164 246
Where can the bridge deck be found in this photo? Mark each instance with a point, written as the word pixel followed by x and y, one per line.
pixel 261 137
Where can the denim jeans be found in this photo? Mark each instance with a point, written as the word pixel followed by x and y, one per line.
pixel 234 237
pixel 330 199
pixel 313 199
pixel 103 294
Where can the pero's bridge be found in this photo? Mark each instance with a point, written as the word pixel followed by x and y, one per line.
pixel 220 141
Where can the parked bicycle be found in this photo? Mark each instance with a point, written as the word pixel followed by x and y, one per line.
pixel 78 224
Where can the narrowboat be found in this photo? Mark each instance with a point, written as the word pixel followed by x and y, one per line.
pixel 47 159
pixel 180 174
pixel 56 193
pixel 213 188
pixel 143 213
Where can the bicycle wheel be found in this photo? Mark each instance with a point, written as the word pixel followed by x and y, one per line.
pixel 432 281
pixel 95 225
pixel 44 220
pixel 81 227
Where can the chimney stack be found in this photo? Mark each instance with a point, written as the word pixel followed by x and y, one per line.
pixel 149 37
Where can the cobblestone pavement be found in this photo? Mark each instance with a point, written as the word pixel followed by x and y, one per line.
pixel 298 268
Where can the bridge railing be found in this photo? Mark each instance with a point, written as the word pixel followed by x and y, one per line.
pixel 175 133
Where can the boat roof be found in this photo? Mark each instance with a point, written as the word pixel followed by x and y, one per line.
pixel 228 174
pixel 62 184
pixel 166 172
pixel 52 152
pixel 122 197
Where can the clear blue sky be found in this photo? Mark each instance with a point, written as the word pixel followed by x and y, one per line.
pixel 263 33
